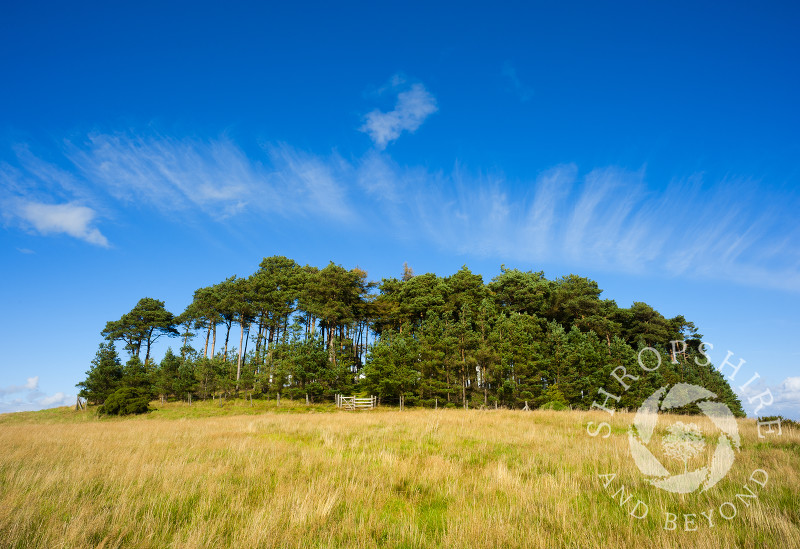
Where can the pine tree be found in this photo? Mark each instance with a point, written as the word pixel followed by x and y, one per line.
pixel 104 377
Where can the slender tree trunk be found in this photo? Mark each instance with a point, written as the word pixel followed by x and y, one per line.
pixel 239 362
pixel 246 339
pixel 149 341
pixel 270 342
pixel 227 335
pixel 357 354
pixel 214 340
pixel 485 387
pixel 208 335
pixel 258 338
pixel 464 389
pixel 331 350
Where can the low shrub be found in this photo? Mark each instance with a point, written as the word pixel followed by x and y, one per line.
pixel 126 401
pixel 554 405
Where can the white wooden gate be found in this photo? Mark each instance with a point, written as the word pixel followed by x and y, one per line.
pixel 356 403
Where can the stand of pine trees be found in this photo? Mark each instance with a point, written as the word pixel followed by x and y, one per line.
pixel 300 331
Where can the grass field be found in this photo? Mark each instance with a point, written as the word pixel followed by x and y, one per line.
pixel 261 476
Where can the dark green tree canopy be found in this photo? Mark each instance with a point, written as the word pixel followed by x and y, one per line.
pixel 126 401
pixel 422 339
pixel 143 325
pixel 104 376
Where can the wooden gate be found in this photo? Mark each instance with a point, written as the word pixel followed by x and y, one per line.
pixel 355 403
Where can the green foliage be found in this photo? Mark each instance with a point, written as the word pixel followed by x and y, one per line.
pixel 783 421
pixel 554 396
pixel 143 325
pixel 304 332
pixel 138 375
pixel 104 377
pixel 393 365
pixel 554 405
pixel 126 401
pixel 167 377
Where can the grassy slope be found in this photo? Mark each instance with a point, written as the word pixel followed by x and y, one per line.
pixel 211 476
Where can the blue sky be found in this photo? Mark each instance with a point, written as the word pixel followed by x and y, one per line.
pixel 149 150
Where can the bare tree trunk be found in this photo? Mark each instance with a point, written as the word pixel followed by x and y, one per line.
pixel 149 341
pixel 227 335
pixel 485 387
pixel 208 335
pixel 214 341
pixel 270 342
pixel 239 362
pixel 258 338
pixel 246 339
pixel 331 350
pixel 357 354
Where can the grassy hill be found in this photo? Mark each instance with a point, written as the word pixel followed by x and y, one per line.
pixel 211 475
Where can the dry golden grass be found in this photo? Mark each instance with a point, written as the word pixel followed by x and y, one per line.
pixel 420 478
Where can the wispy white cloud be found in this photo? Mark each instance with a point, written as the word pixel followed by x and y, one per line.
pixel 309 184
pixel 413 106
pixel 170 174
pixel 46 219
pixel 26 397
pixel 606 218
pixel 71 219
pixel 189 176
pixel 214 177
pixel 524 92
pixel 31 384
pixel 45 199
pixel 57 399
pixel 787 398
